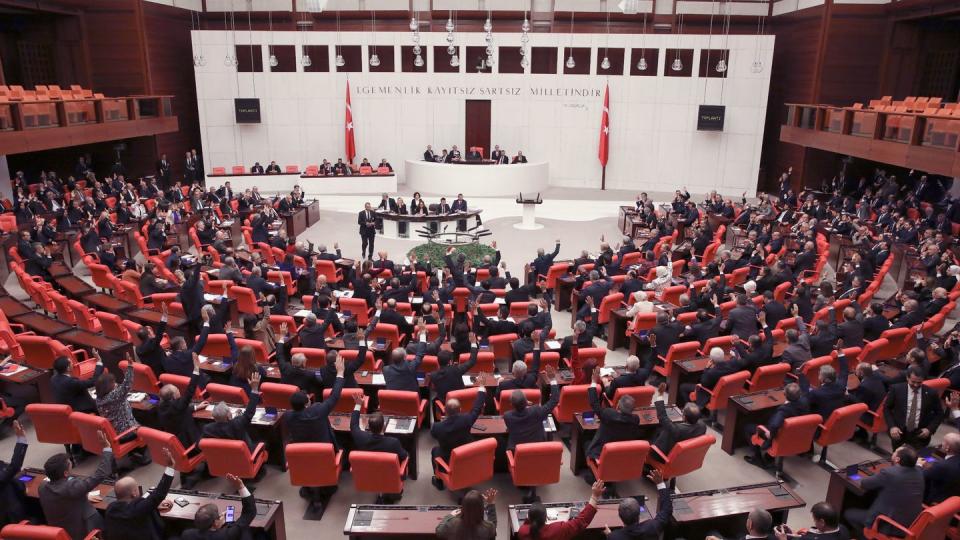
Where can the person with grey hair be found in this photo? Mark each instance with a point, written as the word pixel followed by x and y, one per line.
pixel 629 512
pixel 831 394
pixel 226 426
pixel 719 366
pixel 523 377
pixel 632 376
pixel 759 526
pixel 616 424
pixel 230 271
pixel 541 265
pixel 399 374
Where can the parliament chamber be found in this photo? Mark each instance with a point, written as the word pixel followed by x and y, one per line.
pixel 469 269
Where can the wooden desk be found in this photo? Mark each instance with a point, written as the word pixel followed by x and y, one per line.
pixel 582 432
pixel 41 324
pixel 111 350
pixel 269 518
pixel 38 378
pixel 296 222
pixel 269 430
pixel 390 521
pixel 683 372
pixel 176 326
pixel 725 510
pixel 753 408
pixel 408 437
pixel 106 302
pixel 12 307
pixel 58 269
pixel 606 516
pixel 74 286
pixel 617 329
pixel 563 290
pixel 313 212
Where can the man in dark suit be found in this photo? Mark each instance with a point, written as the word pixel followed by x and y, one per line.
pixel 825 337
pixel 257 168
pixel 742 320
pixel 632 377
pixel 913 411
pixel 942 477
pixel 525 423
pixel 209 522
pixel 718 367
pixel 874 323
pixel 454 429
pixel 225 427
pixel 774 310
pixel 912 315
pixel 374 439
pixel 367 221
pixel 664 334
pixel 899 494
pixel 460 204
pixel 796 405
pixel 388 204
pixel 541 265
pixel 756 352
pixel 13 499
pixel 705 328
pixel 629 513
pixel 450 376
pixel 826 526
pixel 63 497
pixel 851 329
pixel 831 393
pixel 136 516
pixel 429 155
pixel 616 424
pixel 68 390
pixel 871 389
pixel 798 345
pixel 163 169
pixel 399 374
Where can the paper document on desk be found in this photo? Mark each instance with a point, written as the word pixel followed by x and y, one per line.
pixel 210 297
pixel 302 313
pixel 500 301
pixel 343 294
pixel 552 344
pixel 378 379
pixel 12 369
pixel 416 300
pixel 226 223
pixel 467 380
pixel 134 397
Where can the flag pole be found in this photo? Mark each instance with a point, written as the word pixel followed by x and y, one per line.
pixel 603 179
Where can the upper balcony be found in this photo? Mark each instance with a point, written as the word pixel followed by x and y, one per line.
pixel 914 133
pixel 49 117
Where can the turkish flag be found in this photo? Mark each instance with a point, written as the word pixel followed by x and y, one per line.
pixel 351 146
pixel 605 128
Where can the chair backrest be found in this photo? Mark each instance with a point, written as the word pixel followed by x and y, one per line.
pixel 144 380
pixel 87 426
pixel 25 531
pixel 609 303
pixel 503 403
pixel 642 395
pixel 51 423
pixel 313 464
pixel 939 385
pixel 841 424
pixel 316 358
pixel 873 351
pixel 358 308
pixel 796 435
pixel 727 386
pixel 157 440
pixel 369 362
pixel 180 381
pixel 933 523
pixel 277 394
pixel 485 362
pixel 811 368
pixel 687 456
pixel 769 377
pixel 388 332
pixel 345 404
pixel 41 351
pixel 246 300
pixel 228 456
pixel 598 354
pixel 546 359
pixel 376 472
pixel 573 399
pixel 224 392
pixel 724 342
pixel 502 345
pixel 472 463
pixel 466 396
pixel 537 464
pixel 399 402
pixel 555 272
pixel 622 460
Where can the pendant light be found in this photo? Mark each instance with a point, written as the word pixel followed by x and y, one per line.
pixel 338 61
pixel 642 63
pixel 374 59
pixel 273 58
pixel 605 63
pixel 757 65
pixel 198 59
pixel 677 64
pixel 451 48
pixel 722 63
pixel 571 63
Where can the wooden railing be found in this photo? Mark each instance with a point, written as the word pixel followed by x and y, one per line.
pixel 923 141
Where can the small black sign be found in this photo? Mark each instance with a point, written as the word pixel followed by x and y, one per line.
pixel 711 118
pixel 247 110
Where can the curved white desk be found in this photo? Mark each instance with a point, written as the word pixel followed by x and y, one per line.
pixel 476 180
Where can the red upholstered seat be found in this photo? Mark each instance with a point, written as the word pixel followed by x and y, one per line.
pixel 932 523
pixel 768 377
pixel 25 531
pixel 157 440
pixel 225 456
pixel 401 403
pixel 313 464
pixel 227 393
pixel 839 427
pixel 503 404
pixel 345 404
pixel 535 464
pixel 642 395
pixel 88 425
pixel 51 423
pixel 685 456
pixel 470 464
pixel 143 378
pixel 794 437
pixel 277 394
pixel 573 399
pixel 377 472
pixel 620 461
pixel 677 351
pixel 466 397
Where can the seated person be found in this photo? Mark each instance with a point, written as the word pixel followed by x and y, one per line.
pixel 670 433
pixel 374 439
pixel 826 526
pixel 225 427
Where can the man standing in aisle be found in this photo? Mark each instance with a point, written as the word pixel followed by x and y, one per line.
pixel 367 221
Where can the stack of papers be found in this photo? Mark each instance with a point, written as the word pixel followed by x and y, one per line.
pixel 552 344
pixel 302 313
pixel 12 369
pixel 378 379
pixel 135 397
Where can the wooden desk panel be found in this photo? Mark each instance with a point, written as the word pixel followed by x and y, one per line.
pixel 748 408
pixel 41 324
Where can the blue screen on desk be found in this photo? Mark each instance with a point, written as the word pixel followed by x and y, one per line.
pixel 854 477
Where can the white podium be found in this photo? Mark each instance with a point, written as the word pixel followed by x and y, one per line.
pixel 529 222
pixel 477 179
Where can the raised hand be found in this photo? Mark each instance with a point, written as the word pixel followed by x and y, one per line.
pixel 358 399
pixel 18 429
pixel 489 496
pixel 169 455
pixel 283 329
pixel 596 490
pixel 104 441
pixel 655 476
pixel 339 364
pixel 235 481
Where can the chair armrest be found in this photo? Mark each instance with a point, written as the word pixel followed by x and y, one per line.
pixel 440 407
pixel 441 463
pixel 337 459
pixel 120 435
pixel 94 535
pixel 422 408
pixel 257 451
pixel 19 329
pixel 885 519
pixel 704 388
pixel 510 459
pixel 403 465
pixel 765 431
pixel 660 454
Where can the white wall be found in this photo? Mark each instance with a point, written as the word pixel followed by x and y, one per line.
pixel 654 142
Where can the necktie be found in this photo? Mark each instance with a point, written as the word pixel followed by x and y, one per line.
pixel 912 411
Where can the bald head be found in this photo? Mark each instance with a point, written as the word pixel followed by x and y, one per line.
pixel 169 392
pixel 453 406
pixel 951 443
pixel 126 488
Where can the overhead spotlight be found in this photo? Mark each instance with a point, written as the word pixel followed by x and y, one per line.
pixel 605 63
pixel 571 63
pixel 340 61
pixel 273 61
pixel 642 64
pixel 418 61
pixel 374 60
pixel 413 23
pixel 677 65
pixel 721 66
pixel 455 61
pixel 306 61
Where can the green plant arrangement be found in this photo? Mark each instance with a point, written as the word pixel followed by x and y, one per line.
pixel 436 252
